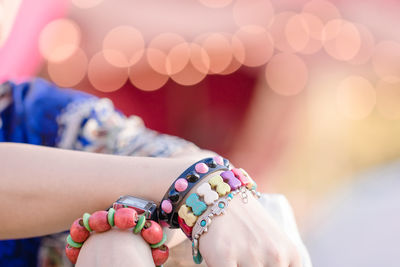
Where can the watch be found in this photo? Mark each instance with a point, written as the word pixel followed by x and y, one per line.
pixel 143 207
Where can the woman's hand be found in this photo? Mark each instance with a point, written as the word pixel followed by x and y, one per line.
pixel 247 236
pixel 117 248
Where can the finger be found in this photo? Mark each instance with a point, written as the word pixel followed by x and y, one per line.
pixel 296 259
pixel 251 262
pixel 276 257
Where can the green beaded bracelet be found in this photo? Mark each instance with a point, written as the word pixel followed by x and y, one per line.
pixel 72 243
pixel 140 224
pixel 85 219
pixel 110 217
pixel 159 244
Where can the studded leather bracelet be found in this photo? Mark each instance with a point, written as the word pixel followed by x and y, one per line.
pixel 173 198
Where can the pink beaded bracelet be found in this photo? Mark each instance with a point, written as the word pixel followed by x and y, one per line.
pixel 123 218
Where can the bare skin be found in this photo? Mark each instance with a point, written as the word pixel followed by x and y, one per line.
pixel 44 189
pixel 65 184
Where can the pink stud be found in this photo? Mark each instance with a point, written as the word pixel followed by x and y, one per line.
pixel 166 206
pixel 181 184
pixel 201 168
pixel 239 174
pixel 219 160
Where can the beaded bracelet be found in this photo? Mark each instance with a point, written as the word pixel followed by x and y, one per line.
pixel 217 186
pixel 173 198
pixel 205 220
pixel 194 216
pixel 123 218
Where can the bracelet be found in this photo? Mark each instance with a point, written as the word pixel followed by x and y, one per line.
pixel 194 216
pixel 217 186
pixel 167 212
pixel 123 218
pixel 205 220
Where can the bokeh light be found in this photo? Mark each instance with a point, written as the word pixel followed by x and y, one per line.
pixel 386 61
pixel 86 3
pixel 367 46
pixel 123 46
pixel 341 39
pixel 233 66
pixel 188 76
pixel 286 74
pixel 277 31
pixel 238 56
pixel 143 76
pixel 59 39
pixel 199 58
pixel 69 72
pixel 355 97
pixel 104 76
pixel 388 99
pixel 258 45
pixel 253 12
pixel 323 9
pixel 168 53
pixel 196 69
pixel 315 28
pixel 219 50
pixel 297 32
pixel 215 3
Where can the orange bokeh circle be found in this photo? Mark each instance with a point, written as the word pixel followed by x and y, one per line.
pixel 168 53
pixel 145 77
pixel 69 72
pixel 123 46
pixel 286 74
pixel 219 50
pixel 257 43
pixel 341 39
pixel 367 46
pixel 59 39
pixel 104 76
pixel 323 9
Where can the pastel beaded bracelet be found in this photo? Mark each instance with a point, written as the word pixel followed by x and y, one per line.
pixel 167 212
pixel 123 218
pixel 209 193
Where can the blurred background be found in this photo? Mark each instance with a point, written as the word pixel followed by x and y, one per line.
pixel 305 95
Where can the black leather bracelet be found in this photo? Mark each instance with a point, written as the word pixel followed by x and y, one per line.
pixel 167 211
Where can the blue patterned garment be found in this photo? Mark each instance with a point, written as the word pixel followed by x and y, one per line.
pixel 37 112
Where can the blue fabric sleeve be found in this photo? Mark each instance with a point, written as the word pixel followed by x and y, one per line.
pixel 31 117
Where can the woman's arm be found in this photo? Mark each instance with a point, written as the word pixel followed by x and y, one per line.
pixel 44 189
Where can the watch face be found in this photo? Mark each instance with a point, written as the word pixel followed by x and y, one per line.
pixel 148 208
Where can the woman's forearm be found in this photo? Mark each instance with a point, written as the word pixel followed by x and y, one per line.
pixel 44 189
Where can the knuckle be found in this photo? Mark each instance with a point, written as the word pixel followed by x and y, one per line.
pixel 276 256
